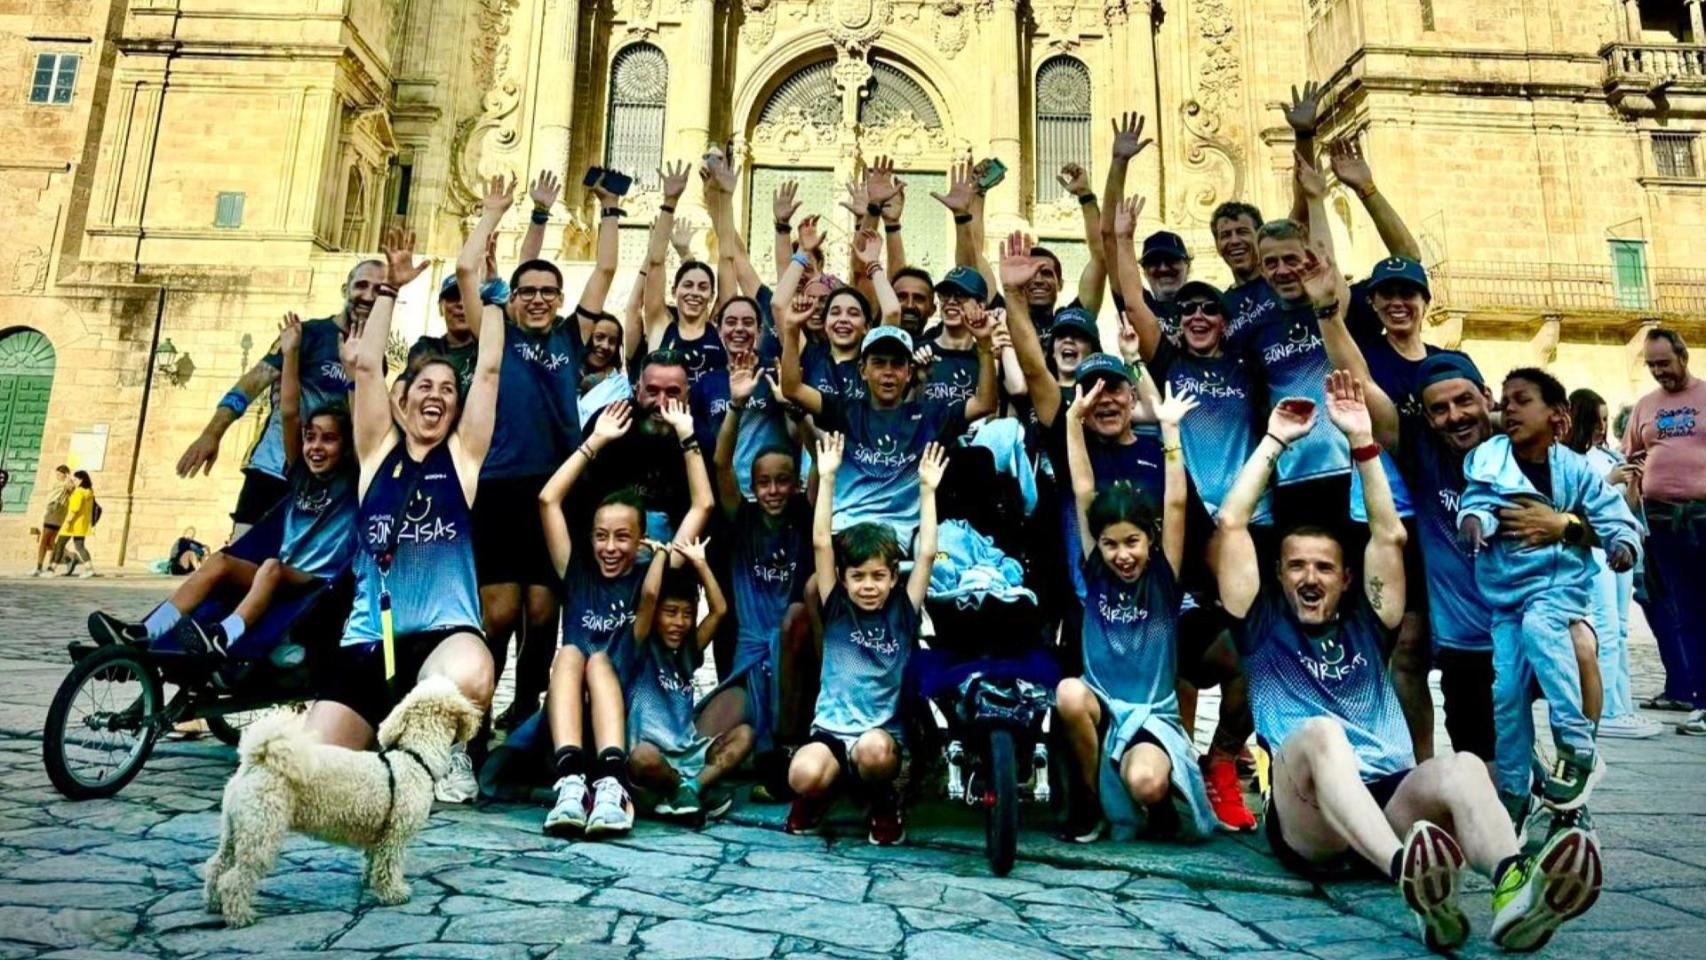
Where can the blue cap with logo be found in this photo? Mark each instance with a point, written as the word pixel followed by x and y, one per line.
pixel 1447 365
pixel 887 337
pixel 448 289
pixel 1075 321
pixel 1164 244
pixel 1400 268
pixel 965 281
pixel 1103 365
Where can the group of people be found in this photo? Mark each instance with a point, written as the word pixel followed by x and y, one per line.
pixel 1276 488
pixel 66 524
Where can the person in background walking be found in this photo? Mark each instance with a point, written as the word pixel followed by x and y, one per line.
pixel 53 519
pixel 79 521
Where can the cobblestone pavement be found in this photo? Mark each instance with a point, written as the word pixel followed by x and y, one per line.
pixel 118 878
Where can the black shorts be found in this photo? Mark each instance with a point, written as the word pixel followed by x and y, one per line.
pixel 357 677
pixel 509 539
pixel 1198 630
pixel 1346 865
pixel 1466 684
pixel 261 492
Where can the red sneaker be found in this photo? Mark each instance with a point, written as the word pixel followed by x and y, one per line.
pixel 887 826
pixel 805 816
pixel 1226 796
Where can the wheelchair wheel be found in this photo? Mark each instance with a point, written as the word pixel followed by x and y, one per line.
pixel 229 727
pixel 1001 825
pixel 102 724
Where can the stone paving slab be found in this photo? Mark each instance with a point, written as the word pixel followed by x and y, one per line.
pixel 119 878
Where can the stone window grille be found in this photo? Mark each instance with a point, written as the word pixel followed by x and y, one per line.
pixel 228 210
pixel 1673 155
pixel 1063 122
pixel 639 86
pixel 55 78
pixel 892 95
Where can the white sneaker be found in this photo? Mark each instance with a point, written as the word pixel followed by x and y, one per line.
pixel 37 572
pixel 1694 726
pixel 458 785
pixel 568 815
pixel 85 574
pixel 1630 727
pixel 612 811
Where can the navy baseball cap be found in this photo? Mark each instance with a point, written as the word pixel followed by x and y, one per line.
pixel 1075 321
pixel 1102 365
pixel 1447 365
pixel 964 280
pixel 887 336
pixel 1400 268
pixel 1200 288
pixel 1164 244
pixel 448 289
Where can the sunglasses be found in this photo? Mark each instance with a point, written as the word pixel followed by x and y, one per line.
pixel 1207 308
pixel 542 293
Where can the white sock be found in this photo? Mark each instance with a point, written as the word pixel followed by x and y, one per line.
pixel 234 627
pixel 161 621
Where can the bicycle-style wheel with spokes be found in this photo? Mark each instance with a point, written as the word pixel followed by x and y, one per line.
pixel 102 724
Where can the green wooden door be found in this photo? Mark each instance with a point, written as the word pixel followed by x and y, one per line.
pixel 26 383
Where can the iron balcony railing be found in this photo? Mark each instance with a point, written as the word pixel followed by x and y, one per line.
pixel 1562 287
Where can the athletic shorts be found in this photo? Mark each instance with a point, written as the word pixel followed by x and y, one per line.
pixel 841 747
pixel 357 677
pixel 1347 864
pixel 509 539
pixel 261 492
pixel 1466 684
pixel 1199 627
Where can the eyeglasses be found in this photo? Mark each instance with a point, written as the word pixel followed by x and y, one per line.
pixel 1207 308
pixel 541 293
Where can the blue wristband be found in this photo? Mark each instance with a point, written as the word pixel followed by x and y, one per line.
pixel 235 401
pixel 541 217
pixel 494 292
pixel 801 259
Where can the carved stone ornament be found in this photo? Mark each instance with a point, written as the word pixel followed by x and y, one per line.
pixel 480 141
pixel 1218 68
pixel 1212 157
pixel 758 23
pixel 851 73
pixel 1061 16
pixel 905 137
pixel 855 24
pixel 1214 164
pixel 1114 13
pixel 793 135
pixel 951 27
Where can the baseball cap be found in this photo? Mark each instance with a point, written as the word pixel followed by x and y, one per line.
pixel 1400 268
pixel 1200 288
pixel 448 288
pixel 964 280
pixel 1164 243
pixel 1102 365
pixel 1075 321
pixel 888 336
pixel 1447 365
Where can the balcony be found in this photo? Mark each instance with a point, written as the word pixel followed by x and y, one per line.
pixel 1538 289
pixel 1652 77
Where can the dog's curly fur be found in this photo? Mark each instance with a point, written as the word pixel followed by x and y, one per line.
pixel 288 781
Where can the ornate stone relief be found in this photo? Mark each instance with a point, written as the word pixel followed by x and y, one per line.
pixel 1212 156
pixel 758 23
pixel 950 27
pixel 855 24
pixel 480 141
pixel 903 136
pixel 1060 17
pixel 794 134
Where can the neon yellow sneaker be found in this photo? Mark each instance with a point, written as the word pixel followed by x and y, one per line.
pixel 1539 893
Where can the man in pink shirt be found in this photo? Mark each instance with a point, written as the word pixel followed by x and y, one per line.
pixel 1666 437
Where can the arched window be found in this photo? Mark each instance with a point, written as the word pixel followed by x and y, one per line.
pixel 891 95
pixel 1063 122
pixel 26 383
pixel 639 84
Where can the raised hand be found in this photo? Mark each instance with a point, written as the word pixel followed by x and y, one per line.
pixel 743 377
pixel 1347 408
pixel 1074 179
pixel 867 248
pixel 613 423
pixel 399 249
pixel 1172 409
pixel 1348 165
pixel 880 182
pixel 811 234
pixel 961 189
pixel 500 194
pixel 1300 115
pixel 1082 402
pixel 895 205
pixel 677 415
pixel 1292 419
pixel 931 466
pixel 492 256
pixel 1000 340
pixel 858 199
pixel 1017 264
pixel 724 176
pixel 289 333
pixel 1129 140
pixel 693 551
pixel 1309 179
pixel 1131 345
pixel 980 322
pixel 1321 278
pixel 1126 216
pixel 545 189
pixel 784 203
pixel 673 177
pixel 829 447
pixel 349 347
pixel 681 237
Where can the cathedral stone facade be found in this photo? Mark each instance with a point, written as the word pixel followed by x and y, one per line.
pixel 179 173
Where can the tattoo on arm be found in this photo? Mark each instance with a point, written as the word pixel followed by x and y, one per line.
pixel 1376 593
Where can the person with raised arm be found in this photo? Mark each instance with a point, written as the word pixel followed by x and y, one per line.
pixel 683 326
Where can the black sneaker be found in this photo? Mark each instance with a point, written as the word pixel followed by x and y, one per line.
pixel 201 641
pixel 111 631
pixel 1084 824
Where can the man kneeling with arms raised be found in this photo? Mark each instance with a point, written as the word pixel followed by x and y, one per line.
pixel 1345 780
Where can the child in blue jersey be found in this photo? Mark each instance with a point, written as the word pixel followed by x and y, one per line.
pixel 1122 717
pixel 603 608
pixel 869 629
pixel 668 756
pixel 1537 590
pixel 318 527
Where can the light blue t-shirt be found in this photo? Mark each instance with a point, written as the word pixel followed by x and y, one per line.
pixel 864 660
pixel 1287 346
pixel 1131 649
pixel 319 522
pixel 878 479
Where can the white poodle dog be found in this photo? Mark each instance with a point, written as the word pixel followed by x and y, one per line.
pixel 371 801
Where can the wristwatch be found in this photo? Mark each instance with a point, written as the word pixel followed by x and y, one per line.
pixel 1575 531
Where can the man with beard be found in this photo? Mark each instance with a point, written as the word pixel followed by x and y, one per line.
pixel 915 291
pixel 323 380
pixel 648 457
pixel 1166 269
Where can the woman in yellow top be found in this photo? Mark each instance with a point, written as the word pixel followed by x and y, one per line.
pixel 79 520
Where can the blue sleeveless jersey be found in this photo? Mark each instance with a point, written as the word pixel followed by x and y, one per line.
pixel 1219 436
pixel 323 380
pixel 538 419
pixel 769 566
pixel 1287 346
pixel 701 356
pixel 431 580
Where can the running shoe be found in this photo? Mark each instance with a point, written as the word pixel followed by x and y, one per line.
pixel 1694 726
pixel 458 785
pixel 612 810
pixel 568 814
pixel 1537 894
pixel 1427 880
pixel 685 803
pixel 87 574
pixel 1084 820
pixel 717 802
pixel 1562 820
pixel 1630 727
pixel 1571 780
pixel 1226 796
pixel 805 817
pixel 194 638
pixel 105 629
pixel 1662 702
pixel 887 824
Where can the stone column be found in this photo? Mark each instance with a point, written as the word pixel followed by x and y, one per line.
pixel 690 85
pixel 1632 20
pixel 1007 64
pixel 553 95
pixel 1696 33
pixel 1134 52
